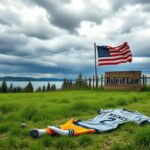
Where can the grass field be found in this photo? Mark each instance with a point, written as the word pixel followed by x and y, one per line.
pixel 53 108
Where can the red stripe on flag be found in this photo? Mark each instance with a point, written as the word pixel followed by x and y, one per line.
pixel 123 53
pixel 114 63
pixel 122 48
pixel 124 44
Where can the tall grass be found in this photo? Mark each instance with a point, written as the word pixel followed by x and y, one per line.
pixel 142 138
pixel 38 110
pixel 4 128
pixel 29 111
pixel 85 140
pixel 65 143
pixel 46 141
pixel 8 108
pixel 80 106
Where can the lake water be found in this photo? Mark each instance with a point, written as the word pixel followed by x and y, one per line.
pixel 36 84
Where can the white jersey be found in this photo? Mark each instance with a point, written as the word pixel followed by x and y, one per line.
pixel 110 119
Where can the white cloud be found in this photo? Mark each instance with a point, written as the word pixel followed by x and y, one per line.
pixel 141 60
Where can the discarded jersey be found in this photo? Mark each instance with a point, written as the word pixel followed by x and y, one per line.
pixel 106 120
pixel 112 118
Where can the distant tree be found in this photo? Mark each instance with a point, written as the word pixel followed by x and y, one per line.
pixel 65 84
pixel 53 87
pixel 11 88
pixel 48 87
pixel 14 89
pixel 38 89
pixel 19 89
pixel 0 89
pixel 86 83
pixel 29 88
pixel 70 84
pixel 4 87
pixel 44 88
pixel 80 82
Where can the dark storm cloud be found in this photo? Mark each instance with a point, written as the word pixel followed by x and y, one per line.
pixel 144 67
pixel 9 44
pixel 68 19
pixel 36 66
pixel 58 15
pixel 132 22
pixel 40 31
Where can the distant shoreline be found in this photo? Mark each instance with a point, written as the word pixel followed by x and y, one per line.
pixel 9 78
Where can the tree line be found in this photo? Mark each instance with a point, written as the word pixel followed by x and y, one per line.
pixel 78 83
pixel 28 88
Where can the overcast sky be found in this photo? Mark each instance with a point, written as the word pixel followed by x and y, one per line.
pixel 54 38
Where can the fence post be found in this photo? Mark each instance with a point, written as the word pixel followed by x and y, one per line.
pixel 93 82
pixel 90 82
pixel 143 81
pixel 101 81
pixel 96 82
pixel 85 82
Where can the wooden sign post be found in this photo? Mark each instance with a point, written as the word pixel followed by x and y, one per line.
pixel 124 80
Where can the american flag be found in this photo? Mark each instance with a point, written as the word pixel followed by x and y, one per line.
pixel 108 55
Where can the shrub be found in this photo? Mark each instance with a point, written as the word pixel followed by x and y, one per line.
pixel 85 140
pixel 65 143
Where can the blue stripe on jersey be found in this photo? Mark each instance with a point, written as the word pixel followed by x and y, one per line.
pixel 103 51
pixel 76 123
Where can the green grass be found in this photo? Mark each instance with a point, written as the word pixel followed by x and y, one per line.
pixel 38 110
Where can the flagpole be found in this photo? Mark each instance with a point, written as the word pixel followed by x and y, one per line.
pixel 95 64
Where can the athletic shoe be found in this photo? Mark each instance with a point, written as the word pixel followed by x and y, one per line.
pixel 35 133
